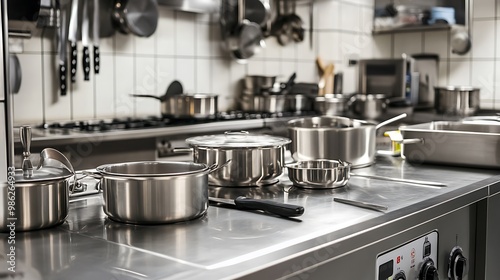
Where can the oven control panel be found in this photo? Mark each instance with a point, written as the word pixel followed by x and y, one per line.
pixel 416 259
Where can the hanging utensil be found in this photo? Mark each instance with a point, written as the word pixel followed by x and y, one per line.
pixel 61 47
pixel 73 29
pixel 139 17
pixel 95 37
pixel 269 206
pixel 85 41
pixel 247 38
pixel 175 88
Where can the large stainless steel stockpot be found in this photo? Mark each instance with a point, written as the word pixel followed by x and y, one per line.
pixel 41 201
pixel 456 100
pixel 256 159
pixel 154 192
pixel 333 137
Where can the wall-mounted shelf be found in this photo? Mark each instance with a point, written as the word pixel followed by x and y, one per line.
pixel 193 6
pixel 412 28
pixel 418 10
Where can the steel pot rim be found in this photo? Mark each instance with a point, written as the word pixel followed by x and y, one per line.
pixel 456 88
pixel 203 168
pixel 216 144
pixel 292 124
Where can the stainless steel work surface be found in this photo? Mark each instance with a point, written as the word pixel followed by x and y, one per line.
pixel 228 243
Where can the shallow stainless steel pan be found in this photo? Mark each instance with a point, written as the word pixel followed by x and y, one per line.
pixel 322 173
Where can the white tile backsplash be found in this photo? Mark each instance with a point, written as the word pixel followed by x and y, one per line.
pixel 165 32
pixel 409 43
pixel 188 47
pixel 185 28
pixel 350 19
pixel 460 73
pixel 105 88
pixel 483 9
pixel 82 95
pixel 124 86
pixel 57 107
pixel 436 42
pixel 27 103
pixel 328 45
pixel 483 77
pixel 145 83
pixel 483 41
pixel 326 15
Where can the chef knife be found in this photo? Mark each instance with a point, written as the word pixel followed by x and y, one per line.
pixel 61 47
pixel 85 41
pixel 73 29
pixel 273 207
pixel 95 36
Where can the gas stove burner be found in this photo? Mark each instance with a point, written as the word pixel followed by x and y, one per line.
pixel 129 123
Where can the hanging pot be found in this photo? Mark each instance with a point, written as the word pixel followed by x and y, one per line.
pixel 139 17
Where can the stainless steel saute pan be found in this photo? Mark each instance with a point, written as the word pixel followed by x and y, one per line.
pixel 316 174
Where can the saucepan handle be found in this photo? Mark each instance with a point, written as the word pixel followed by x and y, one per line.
pixel 182 150
pixel 214 167
pixel 273 207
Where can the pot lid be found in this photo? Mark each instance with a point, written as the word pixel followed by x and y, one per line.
pixel 241 139
pixel 46 173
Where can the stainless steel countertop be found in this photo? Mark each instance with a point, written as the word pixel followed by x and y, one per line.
pixel 228 243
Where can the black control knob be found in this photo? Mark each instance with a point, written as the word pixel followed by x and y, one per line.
pixel 400 276
pixel 457 264
pixel 428 271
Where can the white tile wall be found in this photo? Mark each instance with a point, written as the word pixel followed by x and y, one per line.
pixel 187 47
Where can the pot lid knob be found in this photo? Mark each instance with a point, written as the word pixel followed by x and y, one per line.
pixel 25 135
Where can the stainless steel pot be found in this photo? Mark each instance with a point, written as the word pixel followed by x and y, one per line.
pixel 368 106
pixel 298 103
pixel 272 103
pixel 41 201
pixel 256 159
pixel 199 106
pixel 190 106
pixel 36 198
pixel 332 137
pixel 456 100
pixel 331 105
pixel 154 192
pixel 255 83
pixel 324 173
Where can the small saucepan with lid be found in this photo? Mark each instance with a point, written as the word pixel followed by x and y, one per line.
pixel 36 198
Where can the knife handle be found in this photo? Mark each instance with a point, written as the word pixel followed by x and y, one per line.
pixel 62 78
pixel 278 208
pixel 73 61
pixel 86 63
pixel 96 60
